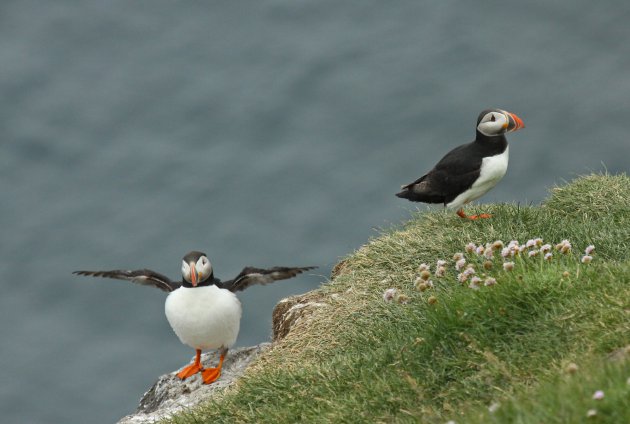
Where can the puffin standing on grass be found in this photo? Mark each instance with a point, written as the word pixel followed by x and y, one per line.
pixel 203 311
pixel 469 171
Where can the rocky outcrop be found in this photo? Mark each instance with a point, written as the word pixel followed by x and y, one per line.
pixel 170 394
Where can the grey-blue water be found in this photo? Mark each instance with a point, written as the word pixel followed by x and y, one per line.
pixel 263 133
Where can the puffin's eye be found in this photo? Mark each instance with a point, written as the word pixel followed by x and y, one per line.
pixel 492 119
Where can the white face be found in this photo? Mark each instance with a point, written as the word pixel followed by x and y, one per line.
pixel 493 123
pixel 202 270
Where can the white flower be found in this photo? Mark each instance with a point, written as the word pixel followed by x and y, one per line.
pixel 489 253
pixel 469 271
pixel 513 244
pixel 470 247
pixel 598 395
pixel 548 256
pixel 538 241
pixel 462 277
pixel 586 259
pixel 494 407
pixel 506 251
pixel 497 245
pixel 480 249
pixel 545 248
pixel 591 413
pixel 589 249
pixel 532 253
pixel 457 256
pixel 389 294
pixel 530 243
pixel 460 264
pixel 508 266
pixel 440 263
pixel 490 281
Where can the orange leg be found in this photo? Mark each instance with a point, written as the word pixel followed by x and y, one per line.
pixel 461 213
pixel 210 375
pixel 193 368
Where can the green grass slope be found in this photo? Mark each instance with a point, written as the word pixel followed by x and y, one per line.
pixel 526 338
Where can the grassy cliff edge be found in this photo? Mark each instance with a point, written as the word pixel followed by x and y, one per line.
pixel 523 338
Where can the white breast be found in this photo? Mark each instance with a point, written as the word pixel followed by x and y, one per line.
pixel 493 168
pixel 204 317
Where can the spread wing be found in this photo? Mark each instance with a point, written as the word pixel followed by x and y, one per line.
pixel 250 276
pixel 145 277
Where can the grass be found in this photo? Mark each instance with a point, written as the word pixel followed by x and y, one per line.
pixel 449 352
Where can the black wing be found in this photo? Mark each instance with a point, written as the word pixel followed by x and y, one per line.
pixel 453 174
pixel 250 276
pixel 146 277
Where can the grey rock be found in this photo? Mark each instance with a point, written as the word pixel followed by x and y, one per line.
pixel 170 395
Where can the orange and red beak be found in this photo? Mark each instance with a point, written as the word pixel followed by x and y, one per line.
pixel 193 274
pixel 514 122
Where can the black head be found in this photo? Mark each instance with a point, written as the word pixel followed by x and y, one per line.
pixel 497 122
pixel 196 270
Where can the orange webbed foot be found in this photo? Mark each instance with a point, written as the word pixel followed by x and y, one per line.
pixel 191 369
pixel 462 214
pixel 210 375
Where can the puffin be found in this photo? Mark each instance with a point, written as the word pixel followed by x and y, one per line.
pixel 203 311
pixel 468 171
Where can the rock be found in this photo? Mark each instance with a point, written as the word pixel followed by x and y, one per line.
pixel 291 310
pixel 170 394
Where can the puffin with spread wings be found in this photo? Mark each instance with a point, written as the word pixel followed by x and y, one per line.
pixel 203 311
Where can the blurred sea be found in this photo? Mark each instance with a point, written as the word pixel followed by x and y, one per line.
pixel 263 133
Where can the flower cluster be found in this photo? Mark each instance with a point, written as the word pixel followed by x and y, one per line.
pixel 475 261
pixel 473 266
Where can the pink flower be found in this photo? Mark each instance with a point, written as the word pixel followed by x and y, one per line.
pixel 586 259
pixel 489 253
pixel 545 248
pixel 598 395
pixel 530 243
pixel 480 249
pixel 469 271
pixel 532 253
pixel 461 277
pixel 548 256
pixel 507 252
pixel 460 264
pixel 589 249
pixel 440 272
pixel 470 247
pixel 474 283
pixel 423 267
pixel 490 281
pixel 457 256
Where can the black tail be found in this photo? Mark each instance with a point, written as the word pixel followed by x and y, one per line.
pixel 412 195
